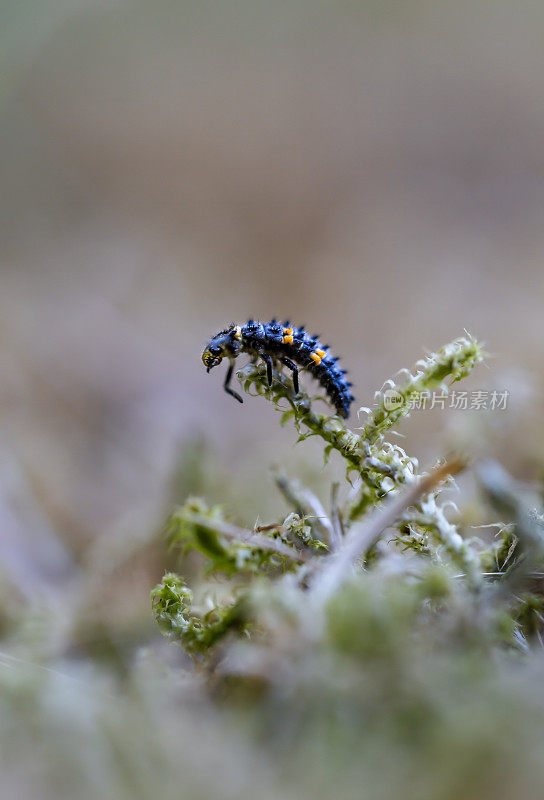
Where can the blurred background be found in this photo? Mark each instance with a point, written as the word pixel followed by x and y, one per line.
pixel 372 169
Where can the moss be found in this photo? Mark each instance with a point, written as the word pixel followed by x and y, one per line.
pixel 314 573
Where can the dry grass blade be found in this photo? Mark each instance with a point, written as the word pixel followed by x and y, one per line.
pixel 364 536
pixel 236 534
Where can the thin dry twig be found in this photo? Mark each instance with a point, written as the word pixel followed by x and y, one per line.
pixel 307 504
pixel 336 519
pixel 363 537
pixel 236 534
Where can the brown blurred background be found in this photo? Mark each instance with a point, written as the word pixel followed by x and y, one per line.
pixel 373 169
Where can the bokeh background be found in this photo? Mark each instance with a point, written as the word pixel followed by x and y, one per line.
pixel 373 169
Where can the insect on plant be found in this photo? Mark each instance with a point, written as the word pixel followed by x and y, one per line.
pixel 293 347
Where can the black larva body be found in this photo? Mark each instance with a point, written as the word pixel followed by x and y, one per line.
pixel 293 347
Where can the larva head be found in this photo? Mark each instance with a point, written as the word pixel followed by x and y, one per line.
pixel 225 344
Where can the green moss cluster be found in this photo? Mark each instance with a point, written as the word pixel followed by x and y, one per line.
pixel 308 537
pixel 172 605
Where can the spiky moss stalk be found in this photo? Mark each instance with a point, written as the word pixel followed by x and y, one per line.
pixel 330 428
pixel 452 362
pixel 355 450
pixel 172 605
pixel 380 465
pixel 383 466
pixel 429 519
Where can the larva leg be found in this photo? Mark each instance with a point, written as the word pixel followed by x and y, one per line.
pixel 294 368
pixel 226 384
pixel 268 361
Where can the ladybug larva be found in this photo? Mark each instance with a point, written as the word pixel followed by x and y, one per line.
pixel 291 346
